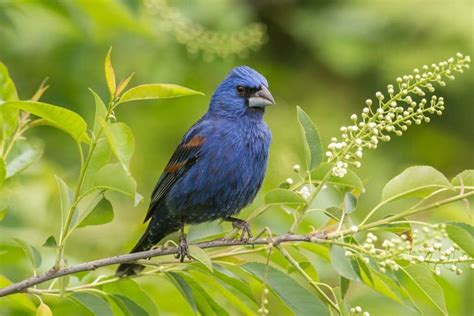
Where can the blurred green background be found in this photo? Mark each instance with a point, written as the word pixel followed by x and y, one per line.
pixel 326 56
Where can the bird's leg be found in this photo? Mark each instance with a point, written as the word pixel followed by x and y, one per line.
pixel 241 224
pixel 183 250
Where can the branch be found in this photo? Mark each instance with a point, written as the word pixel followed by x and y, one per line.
pixel 318 237
pixel 22 286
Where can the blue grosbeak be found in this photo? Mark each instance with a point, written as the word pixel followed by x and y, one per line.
pixel 217 168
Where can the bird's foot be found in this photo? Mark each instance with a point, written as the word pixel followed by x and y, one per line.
pixel 183 249
pixel 242 225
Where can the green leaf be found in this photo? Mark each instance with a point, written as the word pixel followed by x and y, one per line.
pixel 43 310
pixel 128 306
pixel 64 197
pixel 205 304
pixel 350 202
pixel 463 235
pixel 334 212
pixel 201 256
pixel 123 84
pixel 33 254
pixel 100 112
pixel 344 285
pixel 102 213
pixel 418 181
pixel 59 117
pixel 8 115
pixel 109 73
pixel 19 300
pixel 22 156
pixel 7 87
pixel 3 171
pixel 50 242
pixel 427 294
pixel 184 288
pixel 465 178
pixel 341 263
pixel 351 179
pixel 312 140
pixel 130 289
pixel 114 177
pixel 384 285
pixel 296 297
pixel 327 198
pixel 307 267
pixel 156 91
pixel 121 141
pixel 363 267
pixel 235 302
pixel 100 157
pixel 310 251
pixel 92 302
pixel 233 280
pixel 284 197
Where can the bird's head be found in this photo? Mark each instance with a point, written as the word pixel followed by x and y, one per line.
pixel 243 92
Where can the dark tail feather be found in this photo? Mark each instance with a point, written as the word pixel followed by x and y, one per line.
pixel 146 242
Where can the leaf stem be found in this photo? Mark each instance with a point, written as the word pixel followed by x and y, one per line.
pixel 77 194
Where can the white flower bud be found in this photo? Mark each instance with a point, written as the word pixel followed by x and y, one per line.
pixel 289 181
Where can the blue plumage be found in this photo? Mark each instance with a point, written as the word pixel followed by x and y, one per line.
pixel 219 165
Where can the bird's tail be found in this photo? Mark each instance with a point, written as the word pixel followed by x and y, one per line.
pixel 153 234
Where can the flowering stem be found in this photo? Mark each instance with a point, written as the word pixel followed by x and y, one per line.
pixel 408 212
pixel 395 115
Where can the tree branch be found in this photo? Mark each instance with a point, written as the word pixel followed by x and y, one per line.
pixel 318 237
pixel 22 286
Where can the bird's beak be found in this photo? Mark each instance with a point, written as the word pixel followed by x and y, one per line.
pixel 261 98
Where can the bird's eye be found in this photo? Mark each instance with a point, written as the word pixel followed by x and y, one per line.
pixel 240 89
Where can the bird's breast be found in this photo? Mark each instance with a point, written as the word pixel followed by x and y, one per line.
pixel 227 175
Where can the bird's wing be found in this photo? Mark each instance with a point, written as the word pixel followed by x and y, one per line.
pixel 185 155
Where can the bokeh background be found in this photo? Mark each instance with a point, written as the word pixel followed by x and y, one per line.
pixel 326 56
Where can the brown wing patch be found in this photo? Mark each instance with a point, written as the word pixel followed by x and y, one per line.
pixel 173 167
pixel 194 142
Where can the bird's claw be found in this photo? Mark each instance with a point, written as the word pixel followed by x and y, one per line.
pixel 183 250
pixel 244 226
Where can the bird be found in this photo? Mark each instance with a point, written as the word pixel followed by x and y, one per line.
pixel 217 168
